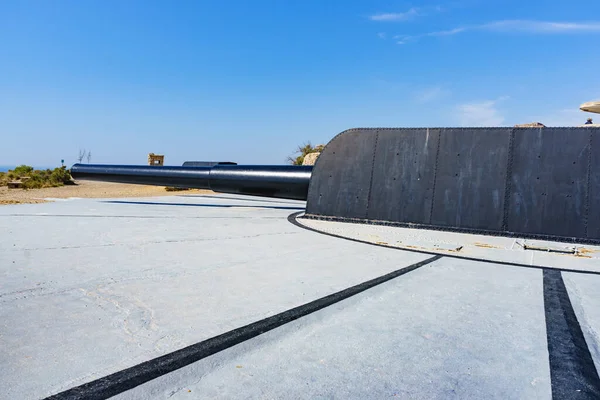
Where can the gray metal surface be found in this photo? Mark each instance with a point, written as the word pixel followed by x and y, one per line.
pixel 345 168
pixel 524 182
pixel 403 175
pixel 470 178
pixel 548 187
pixel 593 205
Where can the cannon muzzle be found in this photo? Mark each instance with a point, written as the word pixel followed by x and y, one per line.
pixel 279 181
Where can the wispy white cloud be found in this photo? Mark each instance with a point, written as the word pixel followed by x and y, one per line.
pixel 448 32
pixel 430 94
pixel 541 26
pixel 403 39
pixel 511 26
pixel 401 16
pixel 482 113
pixel 382 35
pixel 406 15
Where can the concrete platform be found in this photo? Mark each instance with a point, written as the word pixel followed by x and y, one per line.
pixel 100 292
pixel 540 253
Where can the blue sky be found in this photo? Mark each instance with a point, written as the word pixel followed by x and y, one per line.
pixel 248 81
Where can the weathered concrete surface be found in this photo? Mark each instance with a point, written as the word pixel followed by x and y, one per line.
pixel 452 329
pixel 92 287
pixel 492 248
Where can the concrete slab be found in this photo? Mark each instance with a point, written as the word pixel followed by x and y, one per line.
pixel 492 248
pixel 90 287
pixel 451 329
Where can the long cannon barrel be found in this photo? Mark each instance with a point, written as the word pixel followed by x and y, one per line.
pixel 279 181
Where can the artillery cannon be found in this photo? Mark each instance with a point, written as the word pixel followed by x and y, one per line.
pixel 530 182
pixel 279 181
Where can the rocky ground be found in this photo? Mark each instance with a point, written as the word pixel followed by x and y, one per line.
pixel 85 189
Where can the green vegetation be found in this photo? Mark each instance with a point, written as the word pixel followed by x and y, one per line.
pixel 36 179
pixel 175 189
pixel 303 151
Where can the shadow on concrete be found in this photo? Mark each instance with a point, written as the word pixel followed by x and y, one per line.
pixel 150 203
pixel 208 196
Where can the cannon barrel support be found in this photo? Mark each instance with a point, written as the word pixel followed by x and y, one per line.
pixel 279 181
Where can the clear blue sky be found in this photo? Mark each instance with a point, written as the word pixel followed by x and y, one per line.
pixel 248 81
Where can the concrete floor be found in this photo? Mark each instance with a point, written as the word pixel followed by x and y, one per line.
pixel 91 287
pixel 581 257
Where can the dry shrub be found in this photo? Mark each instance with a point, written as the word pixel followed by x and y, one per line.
pixel 36 179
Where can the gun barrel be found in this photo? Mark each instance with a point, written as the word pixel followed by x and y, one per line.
pixel 279 181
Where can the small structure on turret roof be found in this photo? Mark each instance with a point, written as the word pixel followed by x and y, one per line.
pixel 531 125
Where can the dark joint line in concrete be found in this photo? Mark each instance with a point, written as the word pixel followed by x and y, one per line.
pixel 132 377
pixel 572 370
